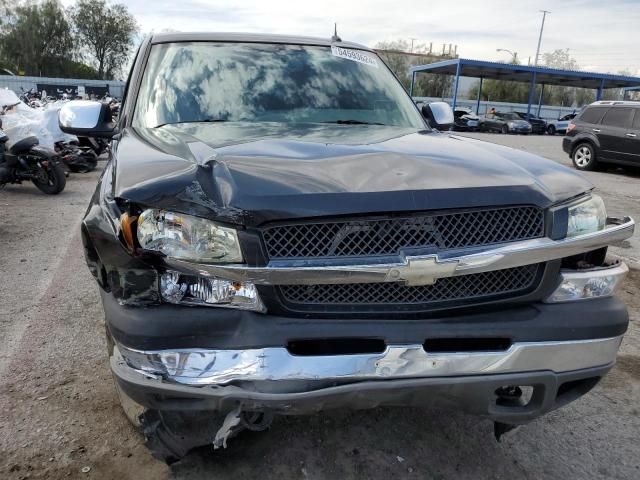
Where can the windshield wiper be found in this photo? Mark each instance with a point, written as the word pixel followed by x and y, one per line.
pixel 204 120
pixel 353 122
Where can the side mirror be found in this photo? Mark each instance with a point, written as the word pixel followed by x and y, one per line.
pixel 86 119
pixel 439 115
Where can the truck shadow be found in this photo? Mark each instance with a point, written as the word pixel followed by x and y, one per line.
pixel 380 443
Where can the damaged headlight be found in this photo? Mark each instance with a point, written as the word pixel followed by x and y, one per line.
pixel 587 217
pixel 180 288
pixel 188 238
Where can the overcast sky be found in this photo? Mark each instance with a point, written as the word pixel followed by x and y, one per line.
pixel 603 35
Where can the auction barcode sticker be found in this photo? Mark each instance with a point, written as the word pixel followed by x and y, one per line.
pixel 354 55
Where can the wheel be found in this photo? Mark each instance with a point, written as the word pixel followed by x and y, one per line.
pixel 551 129
pixel 51 180
pixel 504 129
pixel 584 157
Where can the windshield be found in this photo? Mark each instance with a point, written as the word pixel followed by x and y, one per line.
pixel 193 82
pixel 510 116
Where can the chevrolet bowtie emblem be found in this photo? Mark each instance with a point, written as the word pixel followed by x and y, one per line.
pixel 421 271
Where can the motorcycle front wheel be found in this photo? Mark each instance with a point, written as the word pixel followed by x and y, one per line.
pixel 51 180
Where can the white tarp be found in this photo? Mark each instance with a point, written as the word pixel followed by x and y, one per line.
pixel 22 121
pixel 8 97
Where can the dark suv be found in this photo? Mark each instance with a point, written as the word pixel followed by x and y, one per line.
pixel 605 132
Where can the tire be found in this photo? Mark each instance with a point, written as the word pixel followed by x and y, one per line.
pixel 504 129
pixel 55 180
pixel 551 129
pixel 584 157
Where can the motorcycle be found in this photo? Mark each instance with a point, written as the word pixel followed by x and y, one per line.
pixel 97 145
pixel 76 159
pixel 26 160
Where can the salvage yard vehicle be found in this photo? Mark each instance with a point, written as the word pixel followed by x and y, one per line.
pixel 538 125
pixel 465 120
pixel 505 123
pixel 604 132
pixel 278 231
pixel 560 125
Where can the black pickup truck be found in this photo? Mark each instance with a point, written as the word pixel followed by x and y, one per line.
pixel 279 231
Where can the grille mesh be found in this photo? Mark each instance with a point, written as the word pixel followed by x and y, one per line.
pixel 388 236
pixel 476 286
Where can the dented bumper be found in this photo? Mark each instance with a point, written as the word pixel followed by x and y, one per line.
pixel 475 394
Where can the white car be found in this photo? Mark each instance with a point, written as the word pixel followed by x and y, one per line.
pixel 560 125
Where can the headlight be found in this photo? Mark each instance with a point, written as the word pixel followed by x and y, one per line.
pixel 592 283
pixel 587 217
pixel 188 238
pixel 511 124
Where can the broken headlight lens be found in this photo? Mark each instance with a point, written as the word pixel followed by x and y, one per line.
pixel 188 238
pixel 587 217
pixel 179 288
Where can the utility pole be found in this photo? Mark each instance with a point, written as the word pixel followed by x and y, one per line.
pixel 412 39
pixel 544 16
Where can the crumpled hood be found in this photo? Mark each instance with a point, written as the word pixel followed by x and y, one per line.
pixel 248 174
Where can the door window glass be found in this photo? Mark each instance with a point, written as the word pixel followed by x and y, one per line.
pixel 593 114
pixel 636 120
pixel 618 117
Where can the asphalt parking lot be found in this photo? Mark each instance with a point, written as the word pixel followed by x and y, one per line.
pixel 59 416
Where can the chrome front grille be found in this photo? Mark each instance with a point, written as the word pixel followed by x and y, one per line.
pixel 387 236
pixel 509 282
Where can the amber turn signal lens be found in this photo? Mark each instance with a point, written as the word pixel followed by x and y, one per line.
pixel 127 233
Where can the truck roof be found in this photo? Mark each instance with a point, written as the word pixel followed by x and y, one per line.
pixel 249 38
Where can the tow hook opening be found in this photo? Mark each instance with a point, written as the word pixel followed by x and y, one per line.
pixel 456 345
pixel 335 346
pixel 514 395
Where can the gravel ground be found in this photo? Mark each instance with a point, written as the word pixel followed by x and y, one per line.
pixel 59 417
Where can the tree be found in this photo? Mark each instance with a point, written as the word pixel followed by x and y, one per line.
pixel 36 39
pixel 560 59
pixel 395 54
pixel 108 33
pixel 501 90
pixel 568 96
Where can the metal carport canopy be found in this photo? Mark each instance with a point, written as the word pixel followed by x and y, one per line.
pixel 462 67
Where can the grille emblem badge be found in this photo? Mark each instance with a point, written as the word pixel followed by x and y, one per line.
pixel 422 271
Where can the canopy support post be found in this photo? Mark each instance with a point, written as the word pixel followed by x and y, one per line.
pixel 600 90
pixel 455 85
pixel 540 100
pixel 532 91
pixel 479 97
pixel 413 81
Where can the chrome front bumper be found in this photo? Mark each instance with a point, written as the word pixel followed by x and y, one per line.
pixel 223 367
pixel 414 270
